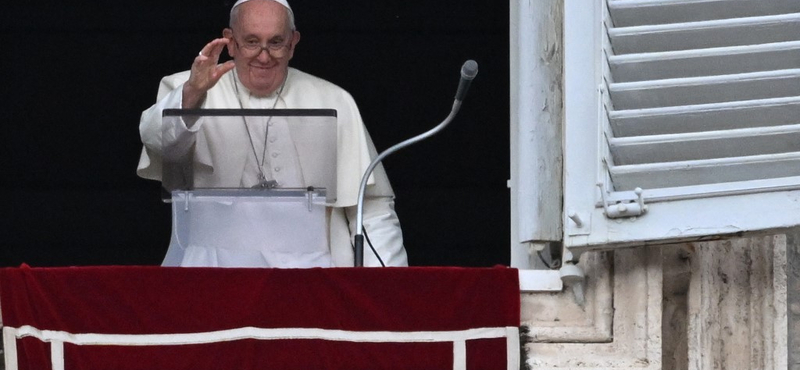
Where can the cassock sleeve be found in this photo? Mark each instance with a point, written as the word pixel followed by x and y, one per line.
pixel 380 220
pixel 170 96
pixel 383 230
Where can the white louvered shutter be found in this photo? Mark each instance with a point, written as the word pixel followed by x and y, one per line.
pixel 694 102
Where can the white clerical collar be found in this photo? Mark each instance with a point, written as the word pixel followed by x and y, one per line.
pixel 249 101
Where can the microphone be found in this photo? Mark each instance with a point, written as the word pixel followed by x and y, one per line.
pixel 468 72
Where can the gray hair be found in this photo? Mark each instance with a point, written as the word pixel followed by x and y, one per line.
pixel 235 16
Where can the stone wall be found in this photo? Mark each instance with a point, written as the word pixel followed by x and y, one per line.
pixel 711 305
pixel 793 299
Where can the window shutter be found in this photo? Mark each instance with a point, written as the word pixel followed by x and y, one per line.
pixel 682 120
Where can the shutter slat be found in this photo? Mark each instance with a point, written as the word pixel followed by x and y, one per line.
pixel 705 145
pixel 706 34
pixel 705 117
pixel 705 90
pixel 689 173
pixel 626 13
pixel 704 62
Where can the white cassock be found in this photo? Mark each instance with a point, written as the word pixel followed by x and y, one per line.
pixel 235 165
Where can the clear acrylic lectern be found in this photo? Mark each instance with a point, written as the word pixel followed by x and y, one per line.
pixel 249 187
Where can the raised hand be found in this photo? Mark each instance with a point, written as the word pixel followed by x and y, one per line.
pixel 206 71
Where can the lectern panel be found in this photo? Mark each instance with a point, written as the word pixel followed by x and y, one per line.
pixel 250 148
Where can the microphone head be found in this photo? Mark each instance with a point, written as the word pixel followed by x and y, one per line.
pixel 469 70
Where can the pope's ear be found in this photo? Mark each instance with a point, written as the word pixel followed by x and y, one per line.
pixel 228 34
pixel 295 40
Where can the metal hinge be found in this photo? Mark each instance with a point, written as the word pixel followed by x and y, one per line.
pixel 631 205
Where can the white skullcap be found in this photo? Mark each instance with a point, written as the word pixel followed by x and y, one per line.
pixel 282 2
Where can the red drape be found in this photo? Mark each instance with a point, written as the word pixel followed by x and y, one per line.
pixel 156 300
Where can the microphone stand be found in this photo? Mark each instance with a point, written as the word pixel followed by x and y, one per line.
pixel 468 72
pixel 359 238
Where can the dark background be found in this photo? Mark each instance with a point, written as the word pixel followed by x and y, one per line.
pixel 77 76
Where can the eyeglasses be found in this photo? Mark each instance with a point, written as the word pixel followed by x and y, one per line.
pixel 276 48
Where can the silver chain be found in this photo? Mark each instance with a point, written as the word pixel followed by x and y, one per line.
pixel 263 161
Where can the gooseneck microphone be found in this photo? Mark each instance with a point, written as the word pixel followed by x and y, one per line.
pixel 468 72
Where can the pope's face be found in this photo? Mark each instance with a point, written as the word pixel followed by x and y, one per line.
pixel 262 43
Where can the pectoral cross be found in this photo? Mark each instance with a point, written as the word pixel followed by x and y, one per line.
pixel 263 183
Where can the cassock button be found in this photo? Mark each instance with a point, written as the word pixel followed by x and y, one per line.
pixel 272 139
pixel 274 155
pixel 278 169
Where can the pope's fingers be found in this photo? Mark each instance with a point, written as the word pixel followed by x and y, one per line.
pixel 207 59
pixel 205 78
pixel 201 62
pixel 225 67
pixel 220 70
pixel 218 47
pixel 206 69
pixel 214 48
